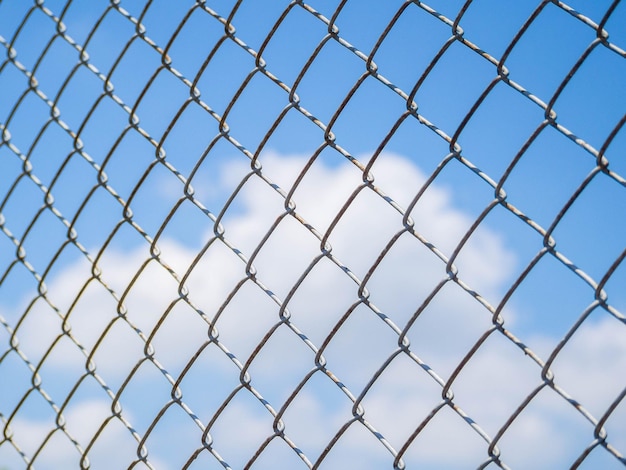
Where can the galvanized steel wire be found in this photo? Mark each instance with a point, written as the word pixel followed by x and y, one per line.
pixel 39 269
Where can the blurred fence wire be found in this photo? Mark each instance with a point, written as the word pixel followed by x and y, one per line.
pixel 59 89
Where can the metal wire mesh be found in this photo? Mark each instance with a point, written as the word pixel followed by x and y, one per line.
pixel 175 292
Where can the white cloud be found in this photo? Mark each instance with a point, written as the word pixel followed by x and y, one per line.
pixel 114 448
pixel 490 387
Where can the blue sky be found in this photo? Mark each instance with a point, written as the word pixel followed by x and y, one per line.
pixel 542 309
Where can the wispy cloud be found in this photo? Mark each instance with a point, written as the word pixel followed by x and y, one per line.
pixel 549 434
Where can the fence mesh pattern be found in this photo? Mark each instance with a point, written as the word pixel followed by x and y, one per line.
pixel 341 234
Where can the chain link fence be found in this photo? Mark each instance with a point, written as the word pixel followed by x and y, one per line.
pixel 325 234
